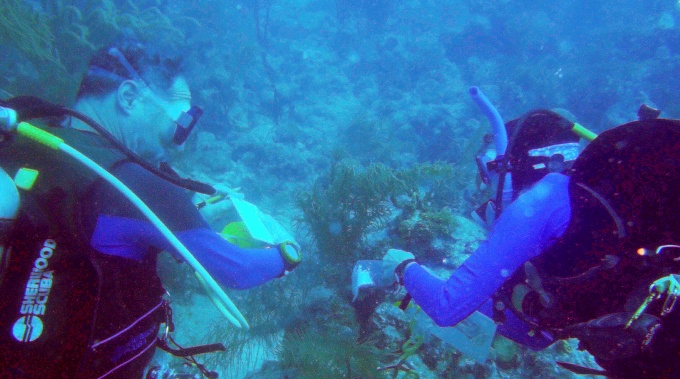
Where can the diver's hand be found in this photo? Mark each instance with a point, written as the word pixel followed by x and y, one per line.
pixel 395 256
pixel 369 277
pixel 396 261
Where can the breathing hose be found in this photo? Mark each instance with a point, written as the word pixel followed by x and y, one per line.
pixel 215 292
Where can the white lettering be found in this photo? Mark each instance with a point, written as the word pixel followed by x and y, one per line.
pixel 33 283
pixel 40 282
pixel 35 273
pixel 41 263
pixel 46 252
pixel 26 309
pixel 39 309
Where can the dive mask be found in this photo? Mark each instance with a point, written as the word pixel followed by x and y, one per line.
pixel 185 124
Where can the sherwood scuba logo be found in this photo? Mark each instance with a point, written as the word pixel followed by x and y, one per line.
pixel 29 327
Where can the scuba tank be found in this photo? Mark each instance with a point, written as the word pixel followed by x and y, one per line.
pixel 9 195
pixel 9 205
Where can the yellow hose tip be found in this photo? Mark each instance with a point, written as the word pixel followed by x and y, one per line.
pixel 39 135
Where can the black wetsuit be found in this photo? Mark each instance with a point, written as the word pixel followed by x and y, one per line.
pixel 79 293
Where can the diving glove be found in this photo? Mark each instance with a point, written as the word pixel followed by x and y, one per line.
pixel 398 260
pixel 374 275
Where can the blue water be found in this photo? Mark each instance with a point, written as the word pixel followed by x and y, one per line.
pixel 288 86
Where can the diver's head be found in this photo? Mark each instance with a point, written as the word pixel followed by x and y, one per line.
pixel 540 142
pixel 144 93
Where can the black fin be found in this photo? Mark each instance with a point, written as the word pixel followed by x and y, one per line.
pixel 645 112
pixel 581 370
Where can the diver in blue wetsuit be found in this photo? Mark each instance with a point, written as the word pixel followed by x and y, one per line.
pixel 80 294
pixel 540 151
pixel 527 227
pixel 589 248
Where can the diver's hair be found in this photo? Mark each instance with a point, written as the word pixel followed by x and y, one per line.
pixel 105 72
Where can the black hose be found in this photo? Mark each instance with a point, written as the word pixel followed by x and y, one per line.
pixel 31 107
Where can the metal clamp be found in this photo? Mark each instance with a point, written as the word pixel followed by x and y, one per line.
pixel 668 286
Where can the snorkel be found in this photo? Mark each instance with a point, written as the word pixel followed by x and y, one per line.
pixel 500 135
pixel 509 160
pixel 500 138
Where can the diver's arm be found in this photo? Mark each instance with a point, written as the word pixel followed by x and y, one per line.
pixel 526 227
pixel 122 230
pixel 233 266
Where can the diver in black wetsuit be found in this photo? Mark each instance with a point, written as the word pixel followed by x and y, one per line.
pixel 79 293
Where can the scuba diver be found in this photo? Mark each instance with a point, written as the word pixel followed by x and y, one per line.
pixel 80 294
pixel 582 245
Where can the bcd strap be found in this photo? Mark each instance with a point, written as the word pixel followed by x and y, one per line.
pixel 184 352
pixel 403 304
pixel 189 352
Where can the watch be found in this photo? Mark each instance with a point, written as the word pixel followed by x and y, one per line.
pixel 291 254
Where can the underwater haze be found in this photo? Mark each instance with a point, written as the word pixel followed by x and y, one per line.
pixel 340 118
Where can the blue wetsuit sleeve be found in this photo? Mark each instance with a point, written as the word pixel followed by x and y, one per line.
pixel 121 230
pixel 527 227
pixel 229 264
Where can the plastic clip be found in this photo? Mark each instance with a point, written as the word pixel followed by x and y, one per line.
pixel 669 304
pixel 652 296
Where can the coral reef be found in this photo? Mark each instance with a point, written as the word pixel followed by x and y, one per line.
pixel 343 207
pixel 324 353
pixel 56 38
pixel 352 201
pixel 278 307
pixel 27 30
pixel 418 232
